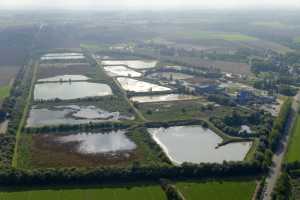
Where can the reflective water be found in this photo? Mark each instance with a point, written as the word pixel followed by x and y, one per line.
pixel 121 71
pixel 64 78
pixel 62 56
pixel 158 98
pixel 135 64
pixel 70 90
pixel 197 145
pixel 134 85
pixel 71 114
pixel 92 143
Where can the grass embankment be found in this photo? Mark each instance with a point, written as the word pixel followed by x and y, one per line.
pixel 148 192
pixel 293 153
pixel 251 153
pixel 216 190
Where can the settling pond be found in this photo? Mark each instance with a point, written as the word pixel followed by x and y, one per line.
pixel 62 56
pixel 94 143
pixel 70 90
pixel 197 145
pixel 71 114
pixel 64 78
pixel 160 98
pixel 134 85
pixel 121 71
pixel 135 64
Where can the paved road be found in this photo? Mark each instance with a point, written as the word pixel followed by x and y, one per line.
pixel 278 157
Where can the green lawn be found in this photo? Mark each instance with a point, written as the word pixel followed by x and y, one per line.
pixel 4 91
pixel 217 190
pixel 293 153
pixel 152 192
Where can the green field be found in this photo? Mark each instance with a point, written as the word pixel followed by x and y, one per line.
pixel 4 91
pixel 207 35
pixel 297 39
pixel 216 190
pixel 293 153
pixel 151 192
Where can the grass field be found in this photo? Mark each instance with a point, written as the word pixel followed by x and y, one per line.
pixel 203 35
pixel 4 91
pixel 180 110
pixel 293 153
pixel 149 192
pixel 217 190
pixel 297 39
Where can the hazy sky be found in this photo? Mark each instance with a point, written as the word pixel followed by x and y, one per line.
pixel 151 4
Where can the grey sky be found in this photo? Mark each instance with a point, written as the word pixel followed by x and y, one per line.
pixel 98 4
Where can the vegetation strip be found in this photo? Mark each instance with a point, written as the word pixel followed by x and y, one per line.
pixel 24 115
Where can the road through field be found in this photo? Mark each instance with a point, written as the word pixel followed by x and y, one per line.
pixel 278 156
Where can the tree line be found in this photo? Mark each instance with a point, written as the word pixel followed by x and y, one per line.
pixel 84 176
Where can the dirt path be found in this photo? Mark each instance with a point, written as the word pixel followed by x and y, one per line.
pixel 278 157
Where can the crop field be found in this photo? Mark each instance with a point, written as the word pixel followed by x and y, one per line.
pixel 263 44
pixel 146 192
pixel 294 147
pixel 216 190
pixel 207 35
pixel 7 74
pixel 225 66
pixel 40 150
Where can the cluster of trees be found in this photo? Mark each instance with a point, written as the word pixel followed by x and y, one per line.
pixel 280 77
pixel 231 124
pixel 273 85
pixel 280 125
pixel 83 176
pixel 269 143
pixel 259 65
pixel 283 188
pixel 222 99
pixel 170 190
pixel 232 131
pixel 7 142
pixel 167 124
pixel 13 107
